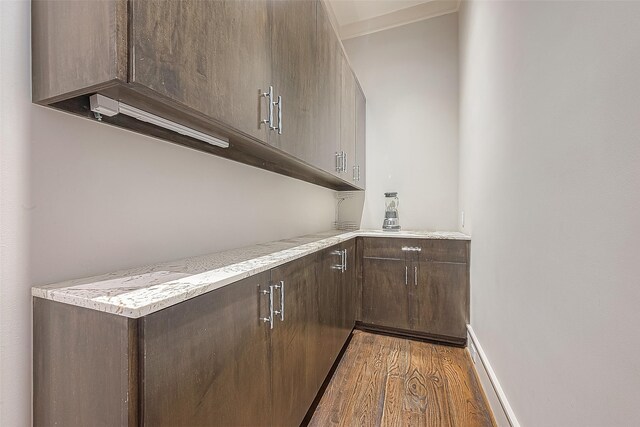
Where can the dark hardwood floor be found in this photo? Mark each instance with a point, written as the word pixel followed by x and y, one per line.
pixel 388 381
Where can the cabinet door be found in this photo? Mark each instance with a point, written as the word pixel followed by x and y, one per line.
pixel 206 360
pixel 440 299
pixel 330 289
pixel 293 62
pixel 294 342
pixel 361 137
pixel 348 294
pixel 211 56
pixel 384 293
pixel 329 71
pixel 348 119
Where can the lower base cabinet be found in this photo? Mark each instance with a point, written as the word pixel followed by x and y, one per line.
pixel 384 293
pixel 439 299
pixel 418 287
pixel 295 352
pixel 254 352
pixel 206 361
pixel 337 301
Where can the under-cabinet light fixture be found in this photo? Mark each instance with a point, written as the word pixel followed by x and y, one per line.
pixel 106 106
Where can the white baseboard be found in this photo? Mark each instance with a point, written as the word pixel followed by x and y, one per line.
pixel 502 411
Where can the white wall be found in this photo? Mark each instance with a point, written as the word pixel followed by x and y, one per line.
pixel 410 77
pixel 82 198
pixel 550 183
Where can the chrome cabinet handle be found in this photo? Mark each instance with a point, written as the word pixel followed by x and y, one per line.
pixel 281 311
pixel 340 161
pixel 279 104
pixel 282 300
pixel 358 172
pixel 406 275
pixel 415 275
pixel 344 260
pixel 411 249
pixel 338 266
pixel 355 174
pixel 270 318
pixel 269 121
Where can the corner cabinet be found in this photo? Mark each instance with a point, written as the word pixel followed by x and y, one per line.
pixel 266 77
pixel 416 287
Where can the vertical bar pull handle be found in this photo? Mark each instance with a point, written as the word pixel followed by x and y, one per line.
pixel 415 275
pixel 269 121
pixel 406 275
pixel 279 103
pixel 280 286
pixel 344 260
pixel 270 318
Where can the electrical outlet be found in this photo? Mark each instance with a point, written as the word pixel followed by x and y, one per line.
pixel 473 351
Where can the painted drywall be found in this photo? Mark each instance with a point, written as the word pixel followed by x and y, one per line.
pixel 550 184
pixel 82 198
pixel 410 77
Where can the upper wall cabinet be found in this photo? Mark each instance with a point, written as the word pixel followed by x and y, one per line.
pixel 293 66
pixel 214 66
pixel 266 77
pixel 359 165
pixel 351 157
pixel 327 102
pixel 348 120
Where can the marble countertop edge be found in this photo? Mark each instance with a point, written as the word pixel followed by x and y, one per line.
pixel 139 292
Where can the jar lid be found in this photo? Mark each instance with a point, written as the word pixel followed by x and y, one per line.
pixel 394 194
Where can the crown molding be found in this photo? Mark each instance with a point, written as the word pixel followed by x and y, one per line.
pixel 409 15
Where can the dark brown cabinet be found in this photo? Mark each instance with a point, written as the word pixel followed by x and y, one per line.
pixel 385 300
pixel 417 286
pixel 208 359
pixel 328 100
pixel 349 293
pixel 294 345
pixel 347 120
pixel 439 298
pixel 254 352
pixel 329 295
pixel 294 70
pixel 337 301
pixel 179 54
pixel 359 171
pixel 246 354
pixel 207 66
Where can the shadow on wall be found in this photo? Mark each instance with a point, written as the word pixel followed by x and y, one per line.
pixel 349 209
pixel 104 199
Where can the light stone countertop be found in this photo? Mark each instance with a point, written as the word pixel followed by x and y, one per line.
pixel 141 291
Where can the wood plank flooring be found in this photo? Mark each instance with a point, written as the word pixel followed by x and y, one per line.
pixel 387 381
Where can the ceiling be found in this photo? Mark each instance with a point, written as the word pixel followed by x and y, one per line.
pixel 355 18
